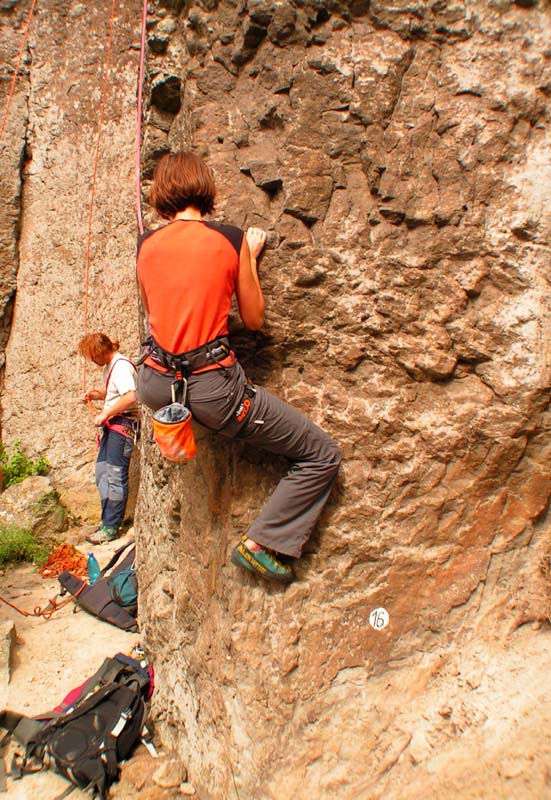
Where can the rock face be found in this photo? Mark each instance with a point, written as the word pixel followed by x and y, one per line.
pixel 398 155
pixel 33 504
pixel 7 647
pixel 399 158
pixel 73 253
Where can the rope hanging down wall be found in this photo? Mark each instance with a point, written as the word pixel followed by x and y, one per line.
pixel 88 252
pixel 17 65
pixel 103 99
pixel 139 110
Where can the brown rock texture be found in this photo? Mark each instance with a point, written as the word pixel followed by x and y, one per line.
pixel 50 144
pixel 398 155
pixel 33 505
pixel 13 123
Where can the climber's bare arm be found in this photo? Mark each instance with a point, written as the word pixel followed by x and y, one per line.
pixel 250 299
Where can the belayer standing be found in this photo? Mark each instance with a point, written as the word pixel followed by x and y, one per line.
pixel 188 271
pixel 118 422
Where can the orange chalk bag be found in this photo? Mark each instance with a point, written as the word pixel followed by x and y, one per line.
pixel 172 429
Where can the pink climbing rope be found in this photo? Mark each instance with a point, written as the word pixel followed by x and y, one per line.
pixel 139 111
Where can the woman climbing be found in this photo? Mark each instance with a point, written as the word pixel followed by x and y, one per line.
pixel 188 271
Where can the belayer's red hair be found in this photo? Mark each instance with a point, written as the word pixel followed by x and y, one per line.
pixel 182 180
pixel 97 345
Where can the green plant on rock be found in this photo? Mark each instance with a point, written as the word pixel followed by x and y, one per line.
pixel 16 465
pixel 19 544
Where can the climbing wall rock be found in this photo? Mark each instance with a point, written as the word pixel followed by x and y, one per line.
pixel 13 124
pixel 52 136
pixel 398 155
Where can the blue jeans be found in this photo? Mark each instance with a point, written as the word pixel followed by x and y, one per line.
pixel 112 475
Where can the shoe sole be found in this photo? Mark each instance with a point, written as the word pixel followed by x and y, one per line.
pixel 98 542
pixel 240 559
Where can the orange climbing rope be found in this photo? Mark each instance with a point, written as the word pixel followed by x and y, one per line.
pixel 138 203
pixel 16 70
pixel 65 557
pixel 46 612
pixel 88 253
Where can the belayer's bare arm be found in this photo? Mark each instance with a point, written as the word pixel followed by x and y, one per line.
pixel 250 299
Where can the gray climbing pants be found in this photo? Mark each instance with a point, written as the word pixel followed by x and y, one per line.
pixel 223 400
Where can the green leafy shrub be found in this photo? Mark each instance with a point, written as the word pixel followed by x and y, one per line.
pixel 19 544
pixel 16 466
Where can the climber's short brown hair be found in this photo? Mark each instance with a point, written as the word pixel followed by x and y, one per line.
pixel 97 345
pixel 182 180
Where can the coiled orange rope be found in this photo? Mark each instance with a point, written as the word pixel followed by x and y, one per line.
pixel 64 558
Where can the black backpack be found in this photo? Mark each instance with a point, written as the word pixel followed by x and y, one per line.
pixel 114 596
pixel 95 728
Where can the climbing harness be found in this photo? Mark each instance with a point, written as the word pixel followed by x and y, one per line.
pixel 186 363
pixel 172 429
pixel 125 426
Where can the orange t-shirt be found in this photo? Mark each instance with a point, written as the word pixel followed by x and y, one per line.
pixel 188 270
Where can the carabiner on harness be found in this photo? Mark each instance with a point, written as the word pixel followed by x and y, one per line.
pixel 178 390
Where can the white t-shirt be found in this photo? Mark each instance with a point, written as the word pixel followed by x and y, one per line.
pixel 119 377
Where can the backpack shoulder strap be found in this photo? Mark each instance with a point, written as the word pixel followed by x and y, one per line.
pixel 116 555
pixel 10 719
pixel 23 728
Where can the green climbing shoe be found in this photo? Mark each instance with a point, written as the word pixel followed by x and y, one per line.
pixel 264 563
pixel 105 533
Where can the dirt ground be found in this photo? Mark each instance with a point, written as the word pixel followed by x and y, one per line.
pixel 53 656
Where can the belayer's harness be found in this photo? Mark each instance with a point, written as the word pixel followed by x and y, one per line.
pixel 125 426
